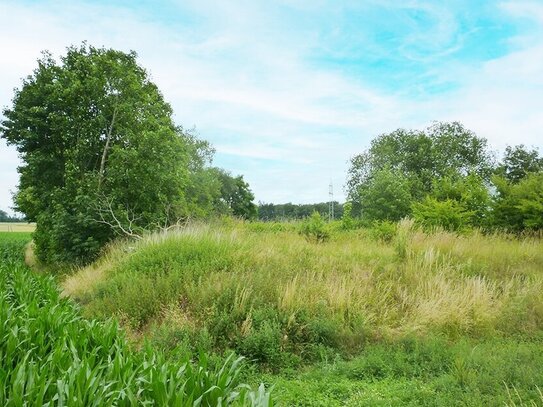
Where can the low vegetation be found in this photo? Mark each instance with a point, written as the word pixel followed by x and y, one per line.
pixel 52 356
pixel 420 316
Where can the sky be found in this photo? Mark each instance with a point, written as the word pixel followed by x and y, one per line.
pixel 287 91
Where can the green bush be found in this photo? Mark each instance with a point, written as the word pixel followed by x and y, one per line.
pixel 314 229
pixel 383 231
pixel 448 214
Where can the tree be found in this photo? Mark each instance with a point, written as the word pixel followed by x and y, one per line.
pixel 101 153
pixel 386 197
pixel 519 206
pixel 518 162
pixel 236 195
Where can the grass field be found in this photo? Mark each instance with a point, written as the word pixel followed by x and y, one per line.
pixel 425 319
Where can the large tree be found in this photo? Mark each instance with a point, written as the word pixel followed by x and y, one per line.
pixel 235 196
pixel 100 150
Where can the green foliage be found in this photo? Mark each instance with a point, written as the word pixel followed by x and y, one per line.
pixel 444 149
pixel 429 371
pixel 103 158
pixel 4 217
pixel 383 231
pixel 519 207
pixel 314 229
pixel 51 355
pixel 347 221
pixel 387 197
pixel 236 195
pixel 518 162
pixel 469 193
pixel 447 214
pixel 290 211
pixel 88 157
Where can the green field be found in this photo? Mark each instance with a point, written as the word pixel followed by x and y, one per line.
pixel 49 355
pixel 421 319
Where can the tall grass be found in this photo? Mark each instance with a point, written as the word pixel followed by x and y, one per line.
pixel 280 299
pixel 50 355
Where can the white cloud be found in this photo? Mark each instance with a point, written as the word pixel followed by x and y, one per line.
pixel 240 75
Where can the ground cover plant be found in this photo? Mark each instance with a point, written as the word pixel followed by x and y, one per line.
pixel 50 355
pixel 418 318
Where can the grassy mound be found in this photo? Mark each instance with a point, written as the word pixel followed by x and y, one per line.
pixel 280 300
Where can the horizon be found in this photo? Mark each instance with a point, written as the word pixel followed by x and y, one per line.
pixel 287 93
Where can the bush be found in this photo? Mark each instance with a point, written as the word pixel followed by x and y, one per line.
pixel 448 214
pixel 383 231
pixel 314 229
pixel 347 221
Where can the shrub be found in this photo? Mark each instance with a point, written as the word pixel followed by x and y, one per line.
pixel 347 221
pixel 383 231
pixel 448 214
pixel 314 229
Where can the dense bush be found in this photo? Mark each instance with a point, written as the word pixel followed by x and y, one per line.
pixel 448 214
pixel 314 229
pixel 519 206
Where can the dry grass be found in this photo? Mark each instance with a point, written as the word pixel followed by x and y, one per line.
pixel 17 227
pixel 441 282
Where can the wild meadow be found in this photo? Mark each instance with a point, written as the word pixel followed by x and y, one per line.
pixel 366 318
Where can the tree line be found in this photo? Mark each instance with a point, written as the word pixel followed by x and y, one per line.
pixel 102 158
pixel 290 211
pixel 446 176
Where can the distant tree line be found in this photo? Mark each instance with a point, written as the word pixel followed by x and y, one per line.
pixel 5 217
pixel 446 176
pixel 290 211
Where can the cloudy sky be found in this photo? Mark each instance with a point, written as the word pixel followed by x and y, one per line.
pixel 288 90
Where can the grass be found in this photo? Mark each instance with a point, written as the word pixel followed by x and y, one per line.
pixel 307 314
pixel 49 355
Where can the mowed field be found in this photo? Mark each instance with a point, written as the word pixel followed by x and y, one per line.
pixel 413 318
pixel 17 227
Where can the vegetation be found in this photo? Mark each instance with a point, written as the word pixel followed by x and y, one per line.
pixel 50 355
pixel 102 156
pixel 4 217
pixel 427 291
pixel 290 211
pixel 422 319
pixel 445 177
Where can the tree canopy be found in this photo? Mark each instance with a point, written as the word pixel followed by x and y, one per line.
pixel 102 155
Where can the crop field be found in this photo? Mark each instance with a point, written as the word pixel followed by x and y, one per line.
pixel 364 319
pixel 17 227
pixel 50 355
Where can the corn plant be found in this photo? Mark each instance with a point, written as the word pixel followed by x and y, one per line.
pixel 50 355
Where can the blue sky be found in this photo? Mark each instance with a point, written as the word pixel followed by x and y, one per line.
pixel 287 91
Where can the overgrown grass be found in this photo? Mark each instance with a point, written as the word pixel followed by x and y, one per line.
pixel 49 355
pixel 429 371
pixel 280 299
